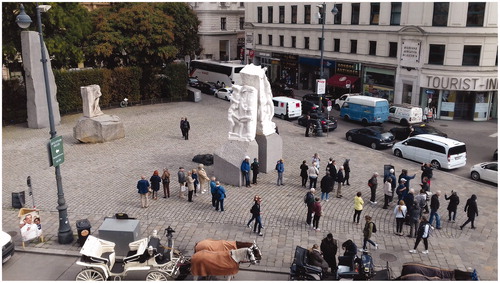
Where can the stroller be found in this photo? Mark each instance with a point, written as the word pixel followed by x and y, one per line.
pixel 351 266
pixel 301 270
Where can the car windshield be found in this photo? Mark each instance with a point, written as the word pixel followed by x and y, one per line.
pixel 386 135
pixel 457 150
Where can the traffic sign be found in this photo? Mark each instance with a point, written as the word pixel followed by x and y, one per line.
pixel 56 151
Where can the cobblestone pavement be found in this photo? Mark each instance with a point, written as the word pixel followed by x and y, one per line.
pixel 100 180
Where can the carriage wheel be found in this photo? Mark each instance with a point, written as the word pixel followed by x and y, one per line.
pixel 156 276
pixel 89 275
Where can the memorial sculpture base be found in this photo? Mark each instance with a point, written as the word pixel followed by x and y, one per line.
pixel 99 129
pixel 270 151
pixel 228 159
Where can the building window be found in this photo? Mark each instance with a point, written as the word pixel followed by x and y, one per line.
pixel 440 14
pixel 472 54
pixel 336 44
pixel 374 13
pixel 320 43
pixel 321 15
pixel 395 13
pixel 393 49
pixel 436 54
pixel 282 15
pixel 354 46
pixel 270 14
pixel 294 14
pixel 259 39
pixel 355 14
pixel 306 42
pixel 307 14
pixel 259 14
pixel 282 40
pixel 294 42
pixel 475 14
pixel 242 23
pixel 242 4
pixel 223 23
pixel 337 19
pixel 373 48
pixel 270 39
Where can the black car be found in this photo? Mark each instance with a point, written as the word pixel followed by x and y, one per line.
pixel 207 87
pixel 193 82
pixel 373 136
pixel 309 107
pixel 313 97
pixel 326 124
pixel 413 130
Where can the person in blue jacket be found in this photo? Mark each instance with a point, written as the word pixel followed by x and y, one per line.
pixel 220 195
pixel 280 168
pixel 143 190
pixel 245 170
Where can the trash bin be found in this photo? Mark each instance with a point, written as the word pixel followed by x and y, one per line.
pixel 83 227
pixel 18 199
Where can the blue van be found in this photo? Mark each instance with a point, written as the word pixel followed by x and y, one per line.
pixel 366 109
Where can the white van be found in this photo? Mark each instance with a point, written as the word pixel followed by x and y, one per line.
pixel 286 107
pixel 405 114
pixel 340 101
pixel 440 152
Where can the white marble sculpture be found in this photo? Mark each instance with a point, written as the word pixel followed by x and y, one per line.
pixel 90 98
pixel 242 113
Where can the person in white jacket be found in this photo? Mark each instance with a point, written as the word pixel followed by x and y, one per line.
pixel 424 231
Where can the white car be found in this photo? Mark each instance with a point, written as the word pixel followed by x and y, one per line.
pixel 224 93
pixel 487 171
pixel 7 246
pixel 340 101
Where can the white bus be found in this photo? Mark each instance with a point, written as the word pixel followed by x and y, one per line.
pixel 226 74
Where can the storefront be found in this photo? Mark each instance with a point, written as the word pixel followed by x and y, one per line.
pixel 460 97
pixel 272 64
pixel 379 82
pixel 310 71
pixel 345 80
pixel 289 68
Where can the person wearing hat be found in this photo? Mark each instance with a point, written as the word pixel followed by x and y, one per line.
pixel 245 170
pixel 255 170
pixel 329 248
pixel 401 190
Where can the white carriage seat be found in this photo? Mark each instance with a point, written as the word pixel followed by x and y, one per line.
pixel 137 249
pixel 96 250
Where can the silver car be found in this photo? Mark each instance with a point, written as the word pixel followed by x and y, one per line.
pixel 487 171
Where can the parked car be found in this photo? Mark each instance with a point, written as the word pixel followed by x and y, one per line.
pixel 207 87
pixel 365 109
pixel 495 155
pixel 309 107
pixel 326 124
pixel 7 246
pixel 373 136
pixel 224 93
pixel 340 101
pixel 413 130
pixel 487 171
pixel 405 114
pixel 193 82
pixel 313 97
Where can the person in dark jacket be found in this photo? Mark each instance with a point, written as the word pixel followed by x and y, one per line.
pixel 340 180
pixel 452 205
pixel 186 126
pixel 347 171
pixel 181 176
pixel 303 173
pixel 373 183
pixel 329 248
pixel 155 184
pixel 308 125
pixel 181 125
pixel 316 259
pixel 326 186
pixel 426 171
pixel 404 174
pixel 409 200
pixel 415 214
pixel 255 210
pixel 434 210
pixel 255 170
pixel 245 170
pixel 472 212
pixel 309 200
pixel 350 248
pixel 331 168
pixel 143 190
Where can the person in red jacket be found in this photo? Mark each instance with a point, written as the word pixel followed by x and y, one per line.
pixel 317 213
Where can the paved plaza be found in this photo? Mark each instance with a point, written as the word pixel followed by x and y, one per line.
pixel 100 180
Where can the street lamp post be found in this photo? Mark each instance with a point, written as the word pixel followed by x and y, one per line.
pixel 64 235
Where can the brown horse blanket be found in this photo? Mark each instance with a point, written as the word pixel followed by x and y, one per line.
pixel 215 245
pixel 209 263
pixel 418 271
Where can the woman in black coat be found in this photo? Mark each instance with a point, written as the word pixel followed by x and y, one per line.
pixel 326 186
pixel 452 205
pixel 472 212
pixel 303 173
pixel 347 171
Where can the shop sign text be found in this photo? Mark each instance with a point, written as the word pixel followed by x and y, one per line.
pixel 460 83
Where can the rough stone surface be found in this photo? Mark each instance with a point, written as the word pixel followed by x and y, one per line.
pixel 270 151
pixel 90 99
pixel 228 158
pixel 38 115
pixel 98 129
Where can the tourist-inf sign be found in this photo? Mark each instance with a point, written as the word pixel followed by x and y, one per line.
pixel 56 151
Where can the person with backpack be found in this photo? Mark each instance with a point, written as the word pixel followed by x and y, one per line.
pixel 400 212
pixel 280 168
pixel 255 211
pixel 373 183
pixel 309 201
pixel 423 233
pixel 368 231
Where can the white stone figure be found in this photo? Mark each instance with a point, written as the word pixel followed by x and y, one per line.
pixel 90 98
pixel 242 113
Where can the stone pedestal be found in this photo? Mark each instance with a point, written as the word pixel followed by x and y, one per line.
pixel 270 151
pixel 228 158
pixel 101 128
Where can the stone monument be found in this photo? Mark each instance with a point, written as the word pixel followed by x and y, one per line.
pixel 95 126
pixel 251 131
pixel 38 114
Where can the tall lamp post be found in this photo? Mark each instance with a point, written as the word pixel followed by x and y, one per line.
pixel 322 16
pixel 64 235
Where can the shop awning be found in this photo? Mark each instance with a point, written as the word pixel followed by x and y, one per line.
pixel 339 80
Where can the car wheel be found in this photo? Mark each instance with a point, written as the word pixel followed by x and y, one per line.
pixel 349 138
pixel 398 153
pixel 435 164
pixel 373 145
pixel 346 117
pixel 364 122
pixel 337 107
pixel 282 116
pixel 474 175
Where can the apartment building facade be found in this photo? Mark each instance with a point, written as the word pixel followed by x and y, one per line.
pixel 438 54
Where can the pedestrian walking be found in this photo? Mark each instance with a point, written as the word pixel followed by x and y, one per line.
pixel 424 230
pixel 316 213
pixel 387 192
pixel 309 201
pixel 415 215
pixel 186 126
pixel 329 247
pixel 373 183
pixel 182 128
pixel 181 176
pixel 434 210
pixel 358 207
pixel 313 175
pixel 155 184
pixel 368 232
pixel 256 215
pixel 245 171
pixel 255 170
pixel 220 195
pixel 165 177
pixel 400 212
pixel 213 186
pixel 190 185
pixel 303 173
pixel 472 212
pixel 280 168
pixel 143 190
pixel 326 186
pixel 453 203
pixel 339 180
pixel 347 172
pixel 203 178
pixel 316 160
